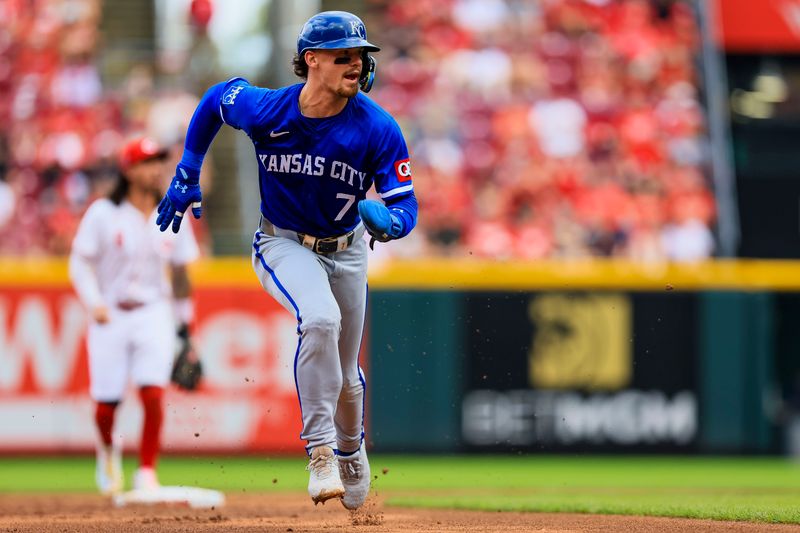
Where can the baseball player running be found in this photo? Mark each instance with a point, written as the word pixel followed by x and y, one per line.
pixel 320 146
pixel 118 266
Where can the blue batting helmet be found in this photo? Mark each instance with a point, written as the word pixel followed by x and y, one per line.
pixel 332 30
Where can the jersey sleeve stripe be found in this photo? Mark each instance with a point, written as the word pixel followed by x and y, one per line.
pixel 221 115
pixel 395 192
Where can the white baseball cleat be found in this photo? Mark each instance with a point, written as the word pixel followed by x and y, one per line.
pixel 324 482
pixel 355 474
pixel 108 469
pixel 145 479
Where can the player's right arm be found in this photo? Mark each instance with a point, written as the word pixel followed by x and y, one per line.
pixel 234 102
pixel 83 255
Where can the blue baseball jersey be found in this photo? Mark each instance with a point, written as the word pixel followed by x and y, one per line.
pixel 314 171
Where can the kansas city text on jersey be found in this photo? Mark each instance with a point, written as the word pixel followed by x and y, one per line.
pixel 311 165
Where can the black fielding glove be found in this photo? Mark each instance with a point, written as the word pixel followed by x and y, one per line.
pixel 186 369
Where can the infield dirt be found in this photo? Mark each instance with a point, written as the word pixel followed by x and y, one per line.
pixel 293 512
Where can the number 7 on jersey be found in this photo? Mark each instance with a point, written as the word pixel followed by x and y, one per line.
pixel 351 198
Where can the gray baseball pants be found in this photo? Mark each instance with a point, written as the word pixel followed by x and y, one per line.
pixel 327 293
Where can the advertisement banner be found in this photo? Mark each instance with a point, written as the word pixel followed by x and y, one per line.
pixel 765 26
pixel 596 371
pixel 247 402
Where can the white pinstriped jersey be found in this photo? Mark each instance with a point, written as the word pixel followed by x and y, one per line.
pixel 129 256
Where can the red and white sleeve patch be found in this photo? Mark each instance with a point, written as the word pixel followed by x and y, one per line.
pixel 403 170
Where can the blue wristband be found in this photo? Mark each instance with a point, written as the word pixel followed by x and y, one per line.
pixel 192 160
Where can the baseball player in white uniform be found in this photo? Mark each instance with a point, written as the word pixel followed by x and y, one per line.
pixel 120 265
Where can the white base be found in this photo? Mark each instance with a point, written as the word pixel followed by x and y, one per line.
pixel 194 497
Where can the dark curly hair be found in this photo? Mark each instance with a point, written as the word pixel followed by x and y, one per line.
pixel 300 66
pixel 120 191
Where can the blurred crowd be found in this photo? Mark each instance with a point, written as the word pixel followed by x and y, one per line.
pixel 62 127
pixel 60 131
pixel 538 129
pixel 550 129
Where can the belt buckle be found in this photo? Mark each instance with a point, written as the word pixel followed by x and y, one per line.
pixel 322 245
pixel 341 242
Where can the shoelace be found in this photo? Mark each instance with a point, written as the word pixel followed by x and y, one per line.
pixel 350 470
pixel 322 465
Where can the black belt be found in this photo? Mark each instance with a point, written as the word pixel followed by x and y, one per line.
pixel 320 245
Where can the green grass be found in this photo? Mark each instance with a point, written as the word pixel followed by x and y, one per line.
pixel 759 489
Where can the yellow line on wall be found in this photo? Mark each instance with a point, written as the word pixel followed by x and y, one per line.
pixel 33 272
pixel 588 274
pixel 446 274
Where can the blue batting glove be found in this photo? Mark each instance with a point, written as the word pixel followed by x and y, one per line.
pixel 381 224
pixel 183 192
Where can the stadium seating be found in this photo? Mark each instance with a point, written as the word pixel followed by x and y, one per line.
pixel 564 129
pixel 552 129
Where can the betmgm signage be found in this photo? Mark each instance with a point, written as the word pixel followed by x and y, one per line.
pixel 581 371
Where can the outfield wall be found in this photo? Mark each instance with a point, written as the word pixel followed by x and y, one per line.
pixel 590 370
pixel 461 356
pixel 248 401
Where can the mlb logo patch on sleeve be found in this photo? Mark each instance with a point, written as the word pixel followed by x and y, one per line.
pixel 403 170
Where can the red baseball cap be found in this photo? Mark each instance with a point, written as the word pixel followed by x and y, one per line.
pixel 138 150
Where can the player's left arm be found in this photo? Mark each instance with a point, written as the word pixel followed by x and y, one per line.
pixel 183 253
pixel 397 215
pixel 187 369
pixel 182 295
